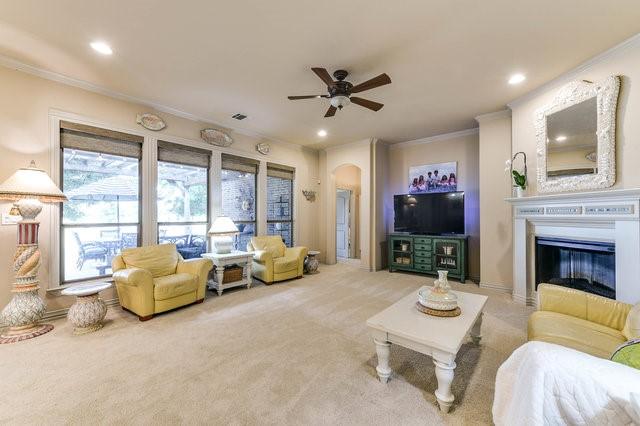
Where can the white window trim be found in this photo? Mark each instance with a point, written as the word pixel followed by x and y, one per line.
pixel 149 179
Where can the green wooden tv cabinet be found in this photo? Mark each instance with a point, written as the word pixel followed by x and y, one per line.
pixel 427 254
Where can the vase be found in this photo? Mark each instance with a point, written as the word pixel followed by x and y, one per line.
pixel 518 192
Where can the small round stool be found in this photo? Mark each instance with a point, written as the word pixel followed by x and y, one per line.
pixel 311 262
pixel 87 313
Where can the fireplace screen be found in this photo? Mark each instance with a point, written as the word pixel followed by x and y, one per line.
pixel 583 265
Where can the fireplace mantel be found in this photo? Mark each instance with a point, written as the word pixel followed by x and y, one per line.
pixel 611 216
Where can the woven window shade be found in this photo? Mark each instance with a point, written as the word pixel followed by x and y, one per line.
pixel 239 164
pixel 95 139
pixel 280 171
pixel 182 154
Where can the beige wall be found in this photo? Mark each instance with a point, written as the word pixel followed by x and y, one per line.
pixel 496 227
pixel 624 62
pixel 464 150
pixel 25 105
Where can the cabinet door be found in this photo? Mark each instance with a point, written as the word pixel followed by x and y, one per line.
pixel 401 251
pixel 447 256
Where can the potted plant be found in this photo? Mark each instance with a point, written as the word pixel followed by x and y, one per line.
pixel 519 179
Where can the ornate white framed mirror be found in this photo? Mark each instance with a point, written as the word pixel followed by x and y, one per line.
pixel 576 137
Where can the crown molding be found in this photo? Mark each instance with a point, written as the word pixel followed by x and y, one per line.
pixel 574 73
pixel 483 118
pixel 16 65
pixel 436 138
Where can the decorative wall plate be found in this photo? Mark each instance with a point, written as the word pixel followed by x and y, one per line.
pixel 215 137
pixel 263 148
pixel 150 121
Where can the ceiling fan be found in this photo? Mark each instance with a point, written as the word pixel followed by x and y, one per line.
pixel 340 91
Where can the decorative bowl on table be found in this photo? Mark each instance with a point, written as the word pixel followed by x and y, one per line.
pixel 439 297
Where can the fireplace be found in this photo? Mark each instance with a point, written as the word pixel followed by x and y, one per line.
pixel 584 265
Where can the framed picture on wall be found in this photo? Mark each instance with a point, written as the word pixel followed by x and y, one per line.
pixel 440 177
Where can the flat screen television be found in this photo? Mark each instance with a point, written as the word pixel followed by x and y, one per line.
pixel 436 214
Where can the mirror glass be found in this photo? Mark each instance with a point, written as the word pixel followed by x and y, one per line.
pixel 572 142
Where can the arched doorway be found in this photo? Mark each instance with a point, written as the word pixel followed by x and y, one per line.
pixel 348 185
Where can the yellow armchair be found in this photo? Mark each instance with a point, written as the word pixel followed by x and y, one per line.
pixel 155 279
pixel 582 321
pixel 273 261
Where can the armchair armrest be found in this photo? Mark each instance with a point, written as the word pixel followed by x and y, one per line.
pixel 300 253
pixel 262 256
pixel 135 277
pixel 135 290
pixel 198 267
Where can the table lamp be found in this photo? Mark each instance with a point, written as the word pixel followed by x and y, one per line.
pixel 221 233
pixel 28 188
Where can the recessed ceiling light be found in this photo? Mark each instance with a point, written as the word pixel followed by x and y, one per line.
pixel 561 138
pixel 101 47
pixel 517 79
pixel 322 133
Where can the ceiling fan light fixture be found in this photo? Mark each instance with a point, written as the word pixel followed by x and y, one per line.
pixel 340 101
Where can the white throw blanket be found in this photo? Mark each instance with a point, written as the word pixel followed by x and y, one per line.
pixel 546 384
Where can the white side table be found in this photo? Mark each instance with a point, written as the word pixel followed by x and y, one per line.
pixel 87 313
pixel 220 261
pixel 311 262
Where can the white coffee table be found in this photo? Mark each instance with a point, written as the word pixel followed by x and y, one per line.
pixel 439 337
pixel 222 260
pixel 87 313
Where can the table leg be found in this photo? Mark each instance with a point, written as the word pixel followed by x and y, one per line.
pixel 476 334
pixel 249 277
pixel 220 277
pixel 444 374
pixel 383 349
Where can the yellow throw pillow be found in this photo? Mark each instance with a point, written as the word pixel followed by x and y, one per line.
pixel 631 328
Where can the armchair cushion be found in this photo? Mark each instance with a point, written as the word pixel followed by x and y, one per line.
pixel 585 336
pixel 285 264
pixel 160 259
pixel 271 243
pixel 175 285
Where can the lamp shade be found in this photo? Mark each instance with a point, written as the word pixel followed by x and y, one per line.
pixel 31 182
pixel 223 225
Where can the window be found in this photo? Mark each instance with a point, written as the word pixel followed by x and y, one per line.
pixel 182 198
pixel 239 196
pixel 280 202
pixel 101 178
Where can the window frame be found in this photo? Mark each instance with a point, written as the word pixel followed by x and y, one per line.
pixel 61 225
pixel 255 207
pixel 290 221
pixel 208 192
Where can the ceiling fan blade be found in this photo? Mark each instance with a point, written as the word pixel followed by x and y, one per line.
pixel 324 75
pixel 295 98
pixel 378 81
pixel 331 111
pixel 367 103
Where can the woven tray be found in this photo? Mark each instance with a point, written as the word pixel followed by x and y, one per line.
pixel 436 313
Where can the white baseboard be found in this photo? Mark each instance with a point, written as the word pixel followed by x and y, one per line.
pixel 497 287
pixel 61 313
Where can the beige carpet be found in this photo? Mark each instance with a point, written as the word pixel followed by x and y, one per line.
pixel 291 353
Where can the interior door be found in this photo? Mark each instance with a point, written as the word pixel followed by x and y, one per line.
pixel 342 223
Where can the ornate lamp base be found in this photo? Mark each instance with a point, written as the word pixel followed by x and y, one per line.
pixel 17 334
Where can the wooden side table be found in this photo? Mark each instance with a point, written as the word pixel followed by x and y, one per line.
pixel 87 313
pixel 220 261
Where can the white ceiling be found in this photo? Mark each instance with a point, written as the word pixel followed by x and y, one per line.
pixel 449 60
